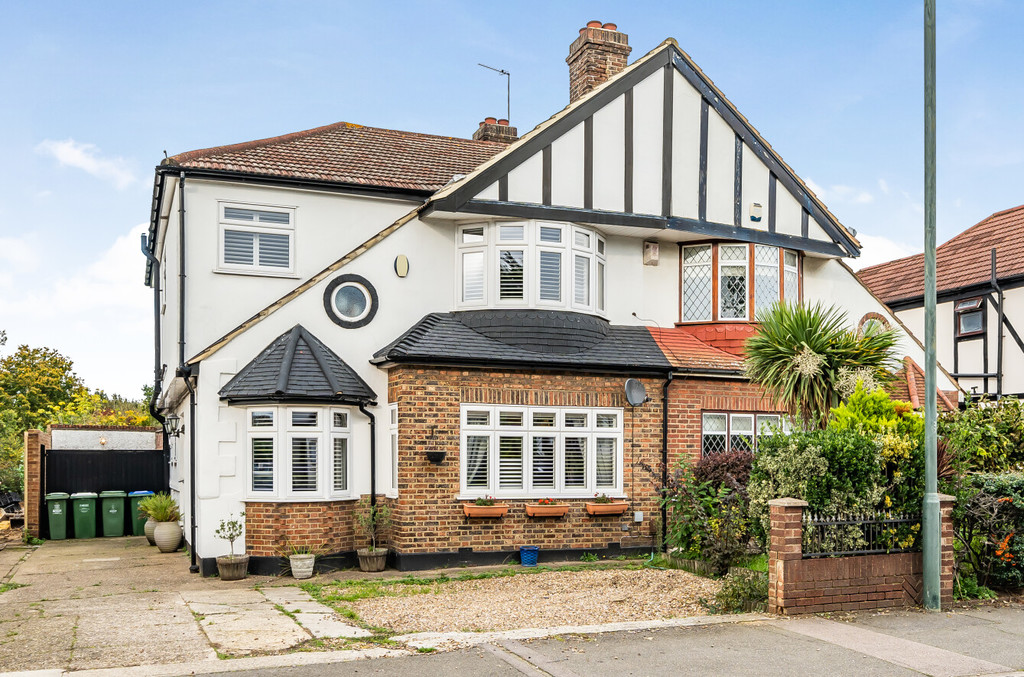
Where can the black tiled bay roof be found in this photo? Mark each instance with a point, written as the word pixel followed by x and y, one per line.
pixel 297 367
pixel 528 338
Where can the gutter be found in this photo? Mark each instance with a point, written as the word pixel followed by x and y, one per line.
pixel 186 374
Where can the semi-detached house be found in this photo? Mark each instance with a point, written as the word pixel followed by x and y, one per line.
pixel 352 311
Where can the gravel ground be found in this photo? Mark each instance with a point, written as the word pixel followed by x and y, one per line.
pixel 542 600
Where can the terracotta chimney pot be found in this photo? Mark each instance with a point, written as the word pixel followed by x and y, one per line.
pixel 593 24
pixel 610 27
pixel 599 53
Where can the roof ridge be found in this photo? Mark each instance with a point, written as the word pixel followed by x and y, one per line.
pixel 302 134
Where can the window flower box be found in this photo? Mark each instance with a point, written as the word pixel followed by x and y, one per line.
pixel 495 510
pixel 612 508
pixel 547 509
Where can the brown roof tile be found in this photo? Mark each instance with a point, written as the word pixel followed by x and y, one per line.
pixel 960 262
pixel 908 385
pixel 348 153
pixel 685 351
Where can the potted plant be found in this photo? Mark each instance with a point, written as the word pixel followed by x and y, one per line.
pixel 232 567
pixel 547 507
pixel 301 559
pixel 485 507
pixel 150 522
pixel 605 505
pixel 167 533
pixel 373 518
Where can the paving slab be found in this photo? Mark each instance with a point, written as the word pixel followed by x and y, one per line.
pixel 240 634
pixel 327 626
pixel 41 643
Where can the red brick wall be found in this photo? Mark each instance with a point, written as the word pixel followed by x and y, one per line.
pixel 34 441
pixel 330 527
pixel 429 518
pixel 595 56
pixel 797 585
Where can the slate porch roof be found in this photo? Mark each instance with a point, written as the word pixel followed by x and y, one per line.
pixel 963 261
pixel 548 338
pixel 347 153
pixel 297 367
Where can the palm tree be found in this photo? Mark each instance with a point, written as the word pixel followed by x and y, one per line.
pixel 806 358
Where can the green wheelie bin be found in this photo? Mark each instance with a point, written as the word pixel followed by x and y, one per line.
pixel 57 508
pixel 137 521
pixel 112 504
pixel 83 505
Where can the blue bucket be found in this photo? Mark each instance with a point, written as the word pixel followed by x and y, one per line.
pixel 528 555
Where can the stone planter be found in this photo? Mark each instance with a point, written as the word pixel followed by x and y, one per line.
pixel 167 536
pixel 613 508
pixel 372 560
pixel 302 565
pixel 549 510
pixel 150 527
pixel 474 510
pixel 233 567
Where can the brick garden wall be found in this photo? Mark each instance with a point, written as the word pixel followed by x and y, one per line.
pixel 331 527
pixel 35 440
pixel 797 585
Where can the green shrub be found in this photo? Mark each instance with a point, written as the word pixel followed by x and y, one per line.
pixel 741 591
pixel 707 521
pixel 988 525
pixel 719 468
pixel 966 587
pixel 987 436
pixel 162 508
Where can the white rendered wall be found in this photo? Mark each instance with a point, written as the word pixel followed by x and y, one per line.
pixel 610 156
pixel 685 147
pixel 97 440
pixel 648 116
pixel 567 168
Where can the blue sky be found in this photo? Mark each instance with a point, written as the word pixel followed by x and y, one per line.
pixel 95 92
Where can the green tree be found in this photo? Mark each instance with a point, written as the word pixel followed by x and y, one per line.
pixel 33 381
pixel 808 359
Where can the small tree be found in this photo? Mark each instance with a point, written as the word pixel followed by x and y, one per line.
pixel 231 529
pixel 806 358
pixel 373 518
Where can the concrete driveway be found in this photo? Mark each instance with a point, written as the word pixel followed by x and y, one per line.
pixel 113 602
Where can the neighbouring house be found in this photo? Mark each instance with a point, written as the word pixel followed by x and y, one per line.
pixel 350 311
pixel 979 304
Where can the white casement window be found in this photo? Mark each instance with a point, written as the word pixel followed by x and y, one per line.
pixel 726 431
pixel 299 453
pixel 256 239
pixel 744 278
pixel 535 264
pixel 393 430
pixel 520 452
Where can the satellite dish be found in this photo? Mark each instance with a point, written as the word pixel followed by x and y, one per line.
pixel 636 393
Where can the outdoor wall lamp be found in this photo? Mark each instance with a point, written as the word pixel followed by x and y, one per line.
pixel 173 426
pixel 434 455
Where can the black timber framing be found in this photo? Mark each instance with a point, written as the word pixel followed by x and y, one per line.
pixel 667 121
pixel 805 228
pixel 772 202
pixel 946 295
pixel 597 217
pixel 737 185
pixel 503 188
pixel 546 175
pixel 702 172
pixel 752 139
pixel 588 163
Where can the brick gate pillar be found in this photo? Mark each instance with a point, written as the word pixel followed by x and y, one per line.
pixel 32 495
pixel 785 543
pixel 947 557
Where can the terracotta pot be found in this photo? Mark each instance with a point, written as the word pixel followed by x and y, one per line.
pixel 613 508
pixel 302 565
pixel 167 536
pixel 372 560
pixel 150 526
pixel 550 510
pixel 474 510
pixel 232 567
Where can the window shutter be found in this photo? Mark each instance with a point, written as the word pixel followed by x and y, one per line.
pixel 544 462
pixel 575 462
pixel 304 453
pixel 340 465
pixel 473 276
pixel 551 276
pixel 605 462
pixel 581 280
pixel 510 462
pixel 262 463
pixel 477 448
pixel 274 250
pixel 510 274
pixel 239 247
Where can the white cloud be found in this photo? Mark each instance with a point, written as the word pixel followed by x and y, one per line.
pixel 86 156
pixel 100 315
pixel 883 185
pixel 841 194
pixel 878 249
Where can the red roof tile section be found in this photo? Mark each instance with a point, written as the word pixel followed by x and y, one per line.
pixel 908 385
pixel 683 350
pixel 963 261
pixel 350 154
pixel 728 336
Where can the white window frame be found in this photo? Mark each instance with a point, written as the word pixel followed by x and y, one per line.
pixel 393 445
pixel 283 432
pixel 531 245
pixel 757 417
pixel 225 224
pixel 560 432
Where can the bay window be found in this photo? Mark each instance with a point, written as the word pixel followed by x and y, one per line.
pixel 733 282
pixel 519 452
pixel 531 264
pixel 298 453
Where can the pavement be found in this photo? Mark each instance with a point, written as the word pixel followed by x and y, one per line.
pixel 119 608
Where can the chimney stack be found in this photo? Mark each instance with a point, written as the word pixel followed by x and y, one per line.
pixel 599 53
pixel 493 129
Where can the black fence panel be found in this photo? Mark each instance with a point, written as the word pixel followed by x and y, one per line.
pixel 105 470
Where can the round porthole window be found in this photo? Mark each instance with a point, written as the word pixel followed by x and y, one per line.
pixel 350 301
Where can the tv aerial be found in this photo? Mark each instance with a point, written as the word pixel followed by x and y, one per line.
pixel 508 88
